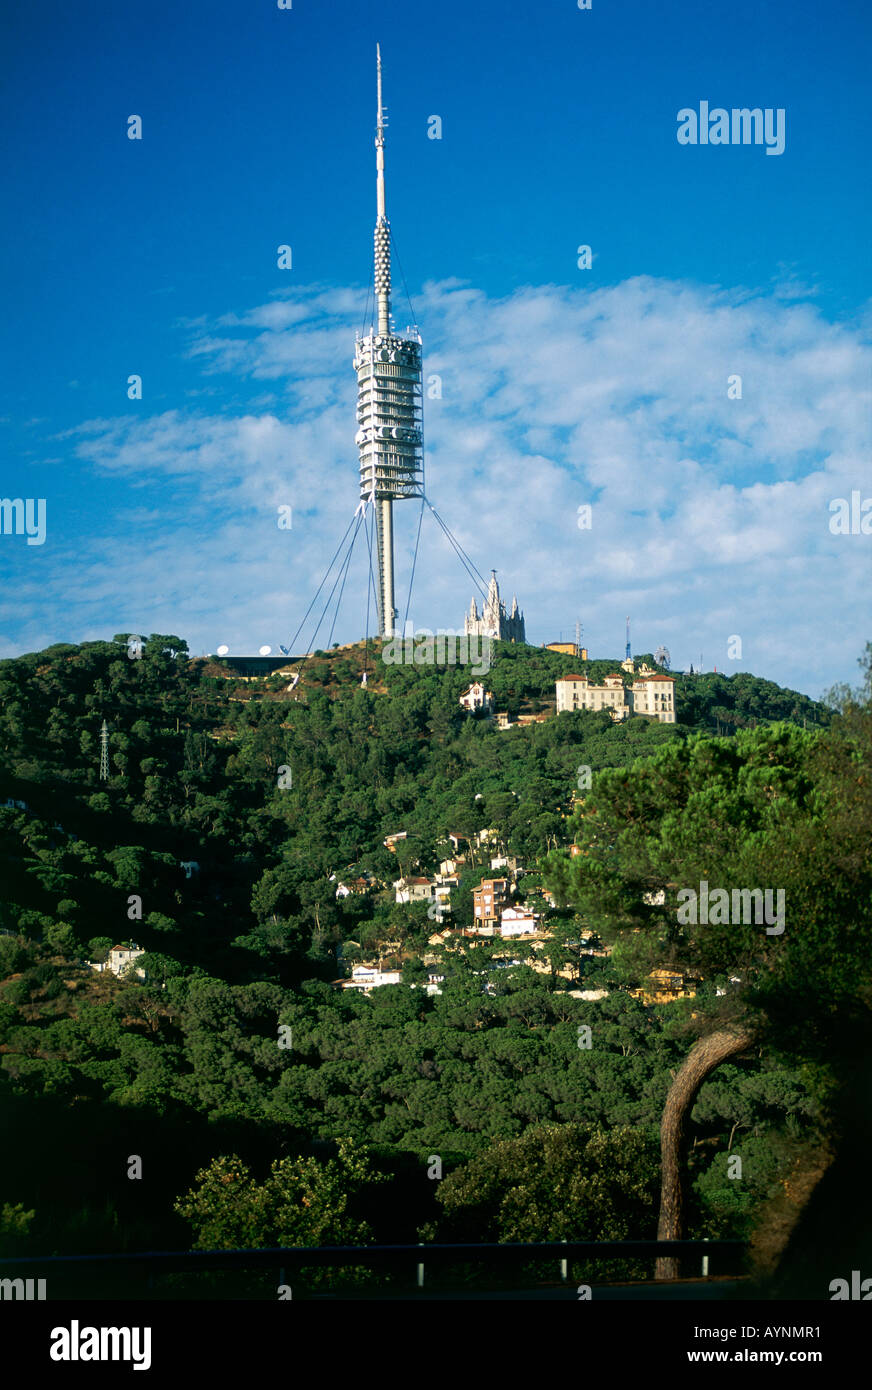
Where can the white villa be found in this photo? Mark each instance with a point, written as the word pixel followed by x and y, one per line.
pixel 475 697
pixel 120 961
pixel 518 921
pixel 367 977
pixel 651 694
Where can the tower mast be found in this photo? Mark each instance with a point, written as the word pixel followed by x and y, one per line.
pixel 382 226
pixel 385 524
pixel 104 752
pixel 389 397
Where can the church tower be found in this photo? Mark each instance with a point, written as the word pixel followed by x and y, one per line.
pixel 494 621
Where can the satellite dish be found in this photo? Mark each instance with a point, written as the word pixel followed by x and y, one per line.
pixel 285 651
pixel 222 651
pixel 265 651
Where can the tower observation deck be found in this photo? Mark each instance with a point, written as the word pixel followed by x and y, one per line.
pixel 390 435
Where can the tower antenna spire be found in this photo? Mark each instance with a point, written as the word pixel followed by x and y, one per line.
pixel 383 226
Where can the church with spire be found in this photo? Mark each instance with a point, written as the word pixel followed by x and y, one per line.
pixel 494 620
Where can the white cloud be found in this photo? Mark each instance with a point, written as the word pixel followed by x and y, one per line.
pixel 710 514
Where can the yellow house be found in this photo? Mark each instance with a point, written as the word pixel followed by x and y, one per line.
pixel 663 987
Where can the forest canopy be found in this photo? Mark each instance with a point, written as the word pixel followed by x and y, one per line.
pixel 233 808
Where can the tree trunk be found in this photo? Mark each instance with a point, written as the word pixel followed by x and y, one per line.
pixel 703 1058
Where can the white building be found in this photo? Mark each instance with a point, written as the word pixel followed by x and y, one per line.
pixel 518 921
pixel 577 692
pixel 475 697
pixel 353 886
pixel 367 977
pixel 652 695
pixel 494 620
pixel 448 867
pixel 422 890
pixel 120 961
pixel 655 695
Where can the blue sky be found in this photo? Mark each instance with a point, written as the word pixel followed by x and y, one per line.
pixel 561 386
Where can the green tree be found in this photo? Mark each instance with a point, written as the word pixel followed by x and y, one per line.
pixel 301 1202
pixel 554 1182
pixel 14 1228
pixel 775 806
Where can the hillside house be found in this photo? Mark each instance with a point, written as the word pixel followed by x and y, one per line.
pixel 663 987
pixel 356 886
pixel 120 961
pixel 651 695
pixel 368 977
pixel 518 921
pixel 476 699
pixel 579 692
pixel 507 861
pixel 655 696
pixel 448 867
pixel 488 901
pixel 421 890
pixel 439 938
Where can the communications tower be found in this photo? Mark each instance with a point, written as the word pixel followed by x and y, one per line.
pixel 390 436
pixel 104 752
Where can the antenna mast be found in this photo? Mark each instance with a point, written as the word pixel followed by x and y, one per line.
pixel 628 657
pixel 104 752
pixel 382 226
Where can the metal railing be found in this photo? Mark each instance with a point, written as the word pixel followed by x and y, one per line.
pixel 726 1255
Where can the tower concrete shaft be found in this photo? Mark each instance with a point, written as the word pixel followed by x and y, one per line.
pixel 390 437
